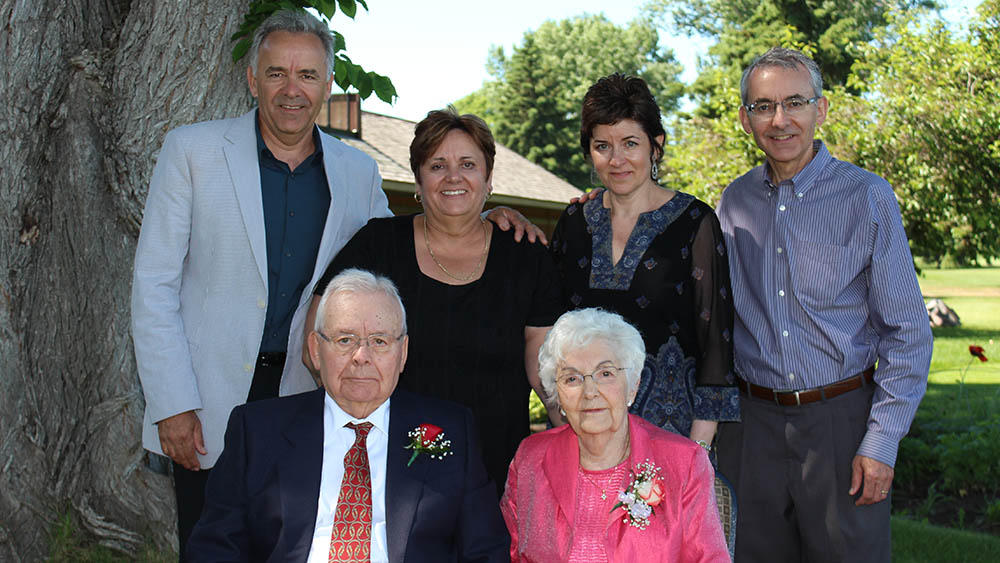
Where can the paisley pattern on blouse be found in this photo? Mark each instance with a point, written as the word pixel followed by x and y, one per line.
pixel 604 273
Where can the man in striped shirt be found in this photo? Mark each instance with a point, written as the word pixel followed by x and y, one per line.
pixel 831 336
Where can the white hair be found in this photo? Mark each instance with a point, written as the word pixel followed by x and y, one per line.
pixel 579 328
pixel 294 21
pixel 355 280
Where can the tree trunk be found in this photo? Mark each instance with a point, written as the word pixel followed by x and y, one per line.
pixel 88 89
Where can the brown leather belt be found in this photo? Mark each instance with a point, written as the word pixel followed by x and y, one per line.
pixel 787 398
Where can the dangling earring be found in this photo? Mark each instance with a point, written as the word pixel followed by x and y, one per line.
pixel 562 412
pixel 416 197
pixel 654 171
pixel 593 178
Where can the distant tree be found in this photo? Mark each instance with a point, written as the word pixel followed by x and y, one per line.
pixel 829 31
pixel 929 123
pixel 533 99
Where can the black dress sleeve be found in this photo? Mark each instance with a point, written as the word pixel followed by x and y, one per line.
pixel 717 397
pixel 359 252
pixel 547 302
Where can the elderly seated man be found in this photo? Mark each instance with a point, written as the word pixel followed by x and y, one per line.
pixel 358 471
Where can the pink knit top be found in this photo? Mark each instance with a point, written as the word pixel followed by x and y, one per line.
pixel 592 512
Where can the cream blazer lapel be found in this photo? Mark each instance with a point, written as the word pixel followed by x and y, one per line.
pixel 244 169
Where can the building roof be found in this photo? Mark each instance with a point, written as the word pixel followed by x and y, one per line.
pixel 387 140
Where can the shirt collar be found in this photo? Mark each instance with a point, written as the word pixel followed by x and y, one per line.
pixel 379 417
pixel 808 175
pixel 265 152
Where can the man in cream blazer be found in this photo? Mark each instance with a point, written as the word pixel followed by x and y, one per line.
pixel 200 287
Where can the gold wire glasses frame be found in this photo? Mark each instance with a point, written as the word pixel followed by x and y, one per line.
pixel 604 375
pixel 765 109
pixel 349 343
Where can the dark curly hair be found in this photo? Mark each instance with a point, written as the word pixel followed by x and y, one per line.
pixel 617 97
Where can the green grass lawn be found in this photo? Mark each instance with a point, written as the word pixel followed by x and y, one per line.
pixel 946 472
pixel 916 542
pixel 974 294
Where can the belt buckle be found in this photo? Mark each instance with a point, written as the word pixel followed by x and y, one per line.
pixel 798 400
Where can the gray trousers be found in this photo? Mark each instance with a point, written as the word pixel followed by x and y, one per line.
pixel 791 468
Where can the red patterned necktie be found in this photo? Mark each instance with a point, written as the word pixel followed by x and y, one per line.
pixel 352 521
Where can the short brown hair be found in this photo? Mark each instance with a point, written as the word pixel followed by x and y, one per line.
pixel 431 131
pixel 617 97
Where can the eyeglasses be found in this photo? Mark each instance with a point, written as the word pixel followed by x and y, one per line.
pixel 604 375
pixel 765 109
pixel 349 343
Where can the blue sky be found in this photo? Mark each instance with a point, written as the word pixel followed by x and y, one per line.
pixel 435 52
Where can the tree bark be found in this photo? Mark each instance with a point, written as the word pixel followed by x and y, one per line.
pixel 87 91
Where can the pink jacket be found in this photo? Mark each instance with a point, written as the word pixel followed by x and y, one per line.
pixel 540 500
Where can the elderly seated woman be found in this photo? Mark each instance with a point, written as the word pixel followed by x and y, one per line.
pixel 608 486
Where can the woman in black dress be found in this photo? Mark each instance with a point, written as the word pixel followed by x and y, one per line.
pixel 655 256
pixel 478 303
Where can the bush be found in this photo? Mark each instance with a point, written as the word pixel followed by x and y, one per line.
pixel 970 460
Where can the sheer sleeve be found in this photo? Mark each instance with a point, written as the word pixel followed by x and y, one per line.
pixel 716 397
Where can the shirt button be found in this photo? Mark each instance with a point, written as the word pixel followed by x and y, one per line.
pixel 799 195
pixel 781 293
pixel 291 214
pixel 247 368
pixel 780 250
pixel 284 294
pixel 784 333
pixel 791 376
pixel 781 208
pixel 261 303
pixel 288 254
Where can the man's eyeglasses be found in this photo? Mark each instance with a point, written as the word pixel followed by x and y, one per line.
pixel 349 343
pixel 604 375
pixel 765 109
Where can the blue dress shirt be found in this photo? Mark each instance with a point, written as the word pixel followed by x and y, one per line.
pixel 824 286
pixel 296 203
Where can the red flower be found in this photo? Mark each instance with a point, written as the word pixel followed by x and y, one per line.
pixel 430 432
pixel 428 439
pixel 978 352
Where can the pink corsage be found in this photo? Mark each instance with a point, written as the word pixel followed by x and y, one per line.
pixel 642 494
pixel 428 439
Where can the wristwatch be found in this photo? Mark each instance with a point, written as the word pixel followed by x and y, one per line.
pixel 704 444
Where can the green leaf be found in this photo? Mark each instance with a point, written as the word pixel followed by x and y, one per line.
pixel 241 49
pixel 349 7
pixel 384 88
pixel 364 85
pixel 340 74
pixel 326 7
pixel 338 42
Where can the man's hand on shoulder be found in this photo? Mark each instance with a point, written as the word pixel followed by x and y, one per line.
pixel 585 197
pixel 181 439
pixel 876 478
pixel 505 218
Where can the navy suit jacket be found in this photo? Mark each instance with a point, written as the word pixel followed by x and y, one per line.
pixel 263 493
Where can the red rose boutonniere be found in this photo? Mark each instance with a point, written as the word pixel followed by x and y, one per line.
pixel 643 494
pixel 428 439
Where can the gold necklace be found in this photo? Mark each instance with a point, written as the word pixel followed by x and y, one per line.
pixel 604 493
pixel 482 258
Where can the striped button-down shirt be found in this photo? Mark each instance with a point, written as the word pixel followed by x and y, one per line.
pixel 824 286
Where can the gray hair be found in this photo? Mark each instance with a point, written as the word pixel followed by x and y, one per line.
pixel 294 21
pixel 577 329
pixel 785 58
pixel 354 280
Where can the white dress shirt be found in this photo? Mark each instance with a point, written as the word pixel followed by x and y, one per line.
pixel 337 439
